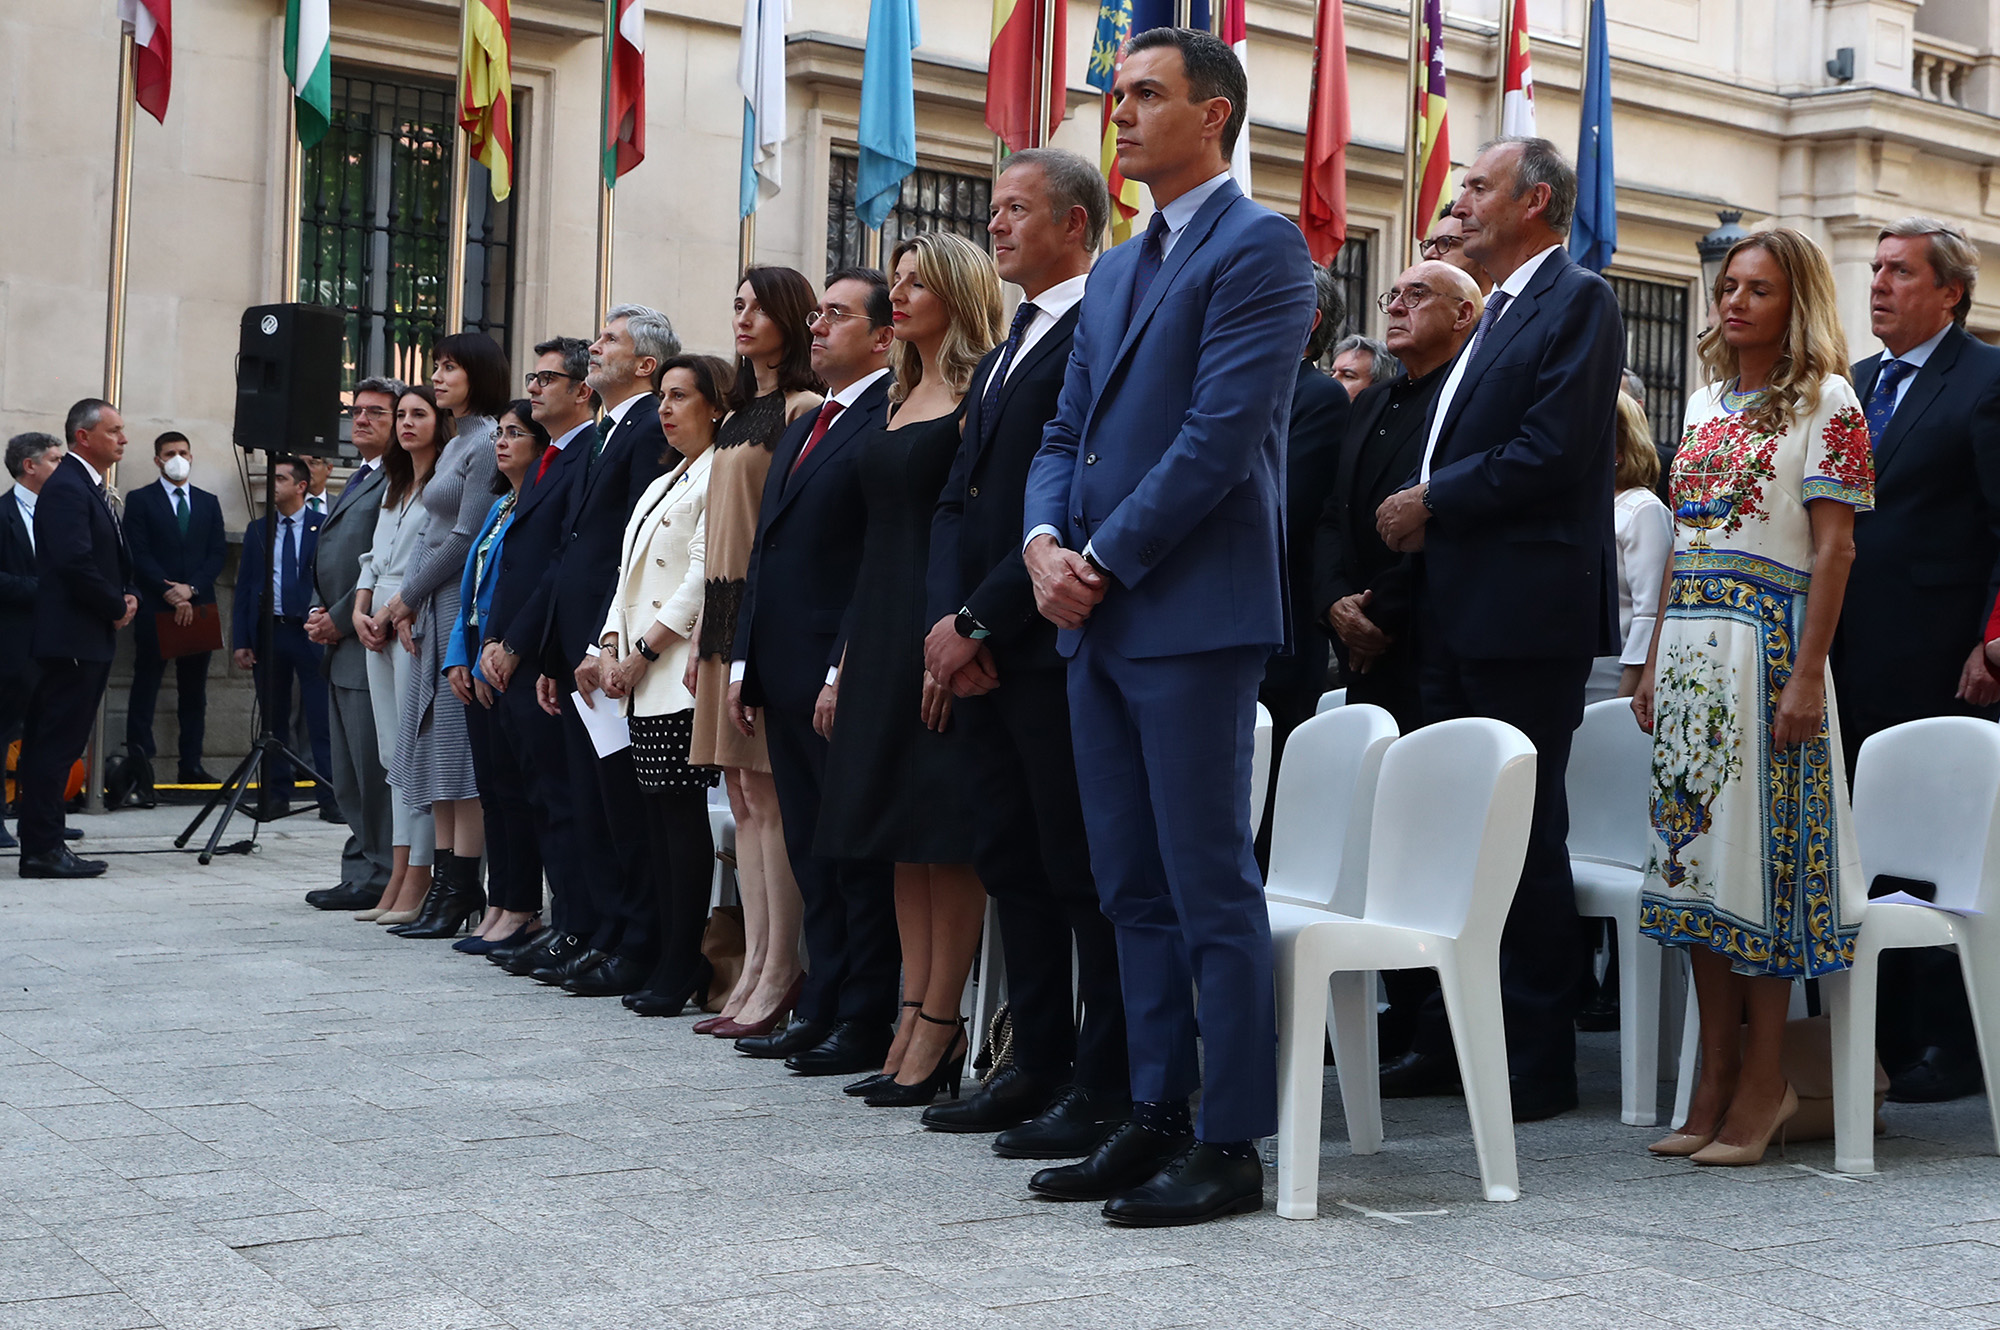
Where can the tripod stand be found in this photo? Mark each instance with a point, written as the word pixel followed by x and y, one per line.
pixel 269 752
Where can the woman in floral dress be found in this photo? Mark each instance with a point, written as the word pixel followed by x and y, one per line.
pixel 1754 866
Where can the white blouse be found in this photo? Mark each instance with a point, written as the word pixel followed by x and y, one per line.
pixel 1644 530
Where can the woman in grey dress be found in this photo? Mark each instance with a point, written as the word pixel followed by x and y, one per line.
pixel 433 765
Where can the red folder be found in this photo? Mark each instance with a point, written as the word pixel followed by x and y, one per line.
pixel 204 633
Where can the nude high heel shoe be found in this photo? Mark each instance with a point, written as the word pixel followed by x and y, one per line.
pixel 1679 1145
pixel 1718 1155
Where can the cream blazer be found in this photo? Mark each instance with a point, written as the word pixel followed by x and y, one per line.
pixel 660 580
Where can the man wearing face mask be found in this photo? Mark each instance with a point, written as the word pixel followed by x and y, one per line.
pixel 175 533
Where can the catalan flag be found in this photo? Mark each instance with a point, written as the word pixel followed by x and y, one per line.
pixel 486 90
pixel 1433 130
pixel 1517 88
pixel 1014 73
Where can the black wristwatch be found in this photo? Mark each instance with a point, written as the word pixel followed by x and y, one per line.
pixel 644 648
pixel 970 627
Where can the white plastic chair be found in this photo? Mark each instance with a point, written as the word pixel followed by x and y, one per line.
pixel 1610 834
pixel 1328 701
pixel 1447 839
pixel 985 987
pixel 1925 801
pixel 722 828
pixel 1260 764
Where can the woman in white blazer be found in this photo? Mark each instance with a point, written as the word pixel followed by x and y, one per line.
pixel 645 661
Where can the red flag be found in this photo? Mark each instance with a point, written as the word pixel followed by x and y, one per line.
pixel 151 23
pixel 1323 196
pixel 625 91
pixel 1015 74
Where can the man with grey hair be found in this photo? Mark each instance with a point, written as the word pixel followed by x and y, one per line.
pixel 360 788
pixel 1927 567
pixel 1360 362
pixel 1518 589
pixel 30 459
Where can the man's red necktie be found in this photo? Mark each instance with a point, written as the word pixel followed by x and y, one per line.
pixel 548 455
pixel 820 427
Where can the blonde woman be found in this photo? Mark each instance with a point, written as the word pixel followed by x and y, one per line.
pixel 1644 531
pixel 897 778
pixel 1755 867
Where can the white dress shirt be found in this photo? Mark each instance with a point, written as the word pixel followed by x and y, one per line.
pixel 172 489
pixel 96 476
pixel 1050 306
pixel 1915 358
pixel 26 498
pixel 573 435
pixel 1517 282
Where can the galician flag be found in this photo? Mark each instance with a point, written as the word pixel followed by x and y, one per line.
pixel 760 73
pixel 887 134
pixel 486 90
pixel 625 92
pixel 309 67
pixel 1107 50
pixel 1517 101
pixel 151 23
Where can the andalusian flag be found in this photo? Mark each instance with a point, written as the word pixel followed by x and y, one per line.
pixel 309 67
pixel 486 90
pixel 1114 25
pixel 1014 73
pixel 625 91
pixel 1433 131
pixel 1517 100
pixel 151 23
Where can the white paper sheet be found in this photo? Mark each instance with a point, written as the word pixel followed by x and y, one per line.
pixel 1905 898
pixel 604 720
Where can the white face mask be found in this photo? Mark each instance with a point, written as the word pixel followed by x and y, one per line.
pixel 176 468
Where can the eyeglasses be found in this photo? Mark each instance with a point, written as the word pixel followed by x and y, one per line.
pixel 368 412
pixel 830 316
pixel 1436 247
pixel 515 432
pixel 543 378
pixel 1411 297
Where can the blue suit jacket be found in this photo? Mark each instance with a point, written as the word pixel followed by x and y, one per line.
pixel 83 569
pixel 1167 453
pixel 161 554
pixel 253 580
pixel 475 594
pixel 1519 559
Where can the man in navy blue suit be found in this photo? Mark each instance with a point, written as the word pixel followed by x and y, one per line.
pixel 30 460
pixel 1517 585
pixel 175 532
pixel 289 579
pixel 83 596
pixel 1155 541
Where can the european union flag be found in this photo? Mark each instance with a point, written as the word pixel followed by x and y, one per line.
pixel 1593 236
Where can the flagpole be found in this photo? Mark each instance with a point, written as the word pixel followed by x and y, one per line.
pixel 746 242
pixel 1411 186
pixel 1184 13
pixel 288 280
pixel 607 167
pixel 461 172
pixel 1045 89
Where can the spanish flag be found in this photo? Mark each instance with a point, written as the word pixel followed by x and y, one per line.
pixel 1107 50
pixel 1014 72
pixel 486 90
pixel 1433 130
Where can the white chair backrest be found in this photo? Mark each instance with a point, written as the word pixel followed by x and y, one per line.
pixel 1325 807
pixel 1328 701
pixel 1925 801
pixel 1452 809
pixel 1610 782
pixel 1260 765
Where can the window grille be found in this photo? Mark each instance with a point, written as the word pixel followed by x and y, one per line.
pixel 931 201
pixel 1656 342
pixel 1350 273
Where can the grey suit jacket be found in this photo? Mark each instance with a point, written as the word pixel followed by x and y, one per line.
pixel 345 535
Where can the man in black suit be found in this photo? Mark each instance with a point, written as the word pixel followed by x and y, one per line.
pixel 618 461
pixel 787 659
pixel 1518 587
pixel 286 585
pixel 175 533
pixel 1926 570
pixel 1068 1086
pixel 83 596
pixel 30 460
pixel 531 742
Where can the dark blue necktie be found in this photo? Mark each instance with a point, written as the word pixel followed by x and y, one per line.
pixel 1882 398
pixel 1496 305
pixel 988 415
pixel 1152 253
pixel 288 578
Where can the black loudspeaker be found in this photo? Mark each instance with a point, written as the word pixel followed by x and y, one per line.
pixel 288 379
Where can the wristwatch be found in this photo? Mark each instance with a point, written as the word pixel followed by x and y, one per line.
pixel 970 627
pixel 644 648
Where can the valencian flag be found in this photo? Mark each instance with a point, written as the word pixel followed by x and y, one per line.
pixel 1593 235
pixel 486 90
pixel 1014 73
pixel 151 23
pixel 887 133
pixel 625 91
pixel 308 68
pixel 1433 130
pixel 1517 89
pixel 1323 196
pixel 1107 49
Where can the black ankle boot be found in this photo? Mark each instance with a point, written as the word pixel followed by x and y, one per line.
pixel 461 902
pixel 427 912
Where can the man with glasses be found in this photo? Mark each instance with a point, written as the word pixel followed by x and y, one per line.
pixel 1446 244
pixel 360 787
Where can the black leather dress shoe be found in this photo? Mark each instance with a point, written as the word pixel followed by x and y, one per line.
pixel 850 1047
pixel 1070 1128
pixel 794 1038
pixel 554 951
pixel 72 833
pixel 1131 1156
pixel 59 862
pixel 1939 1075
pixel 577 963
pixel 1201 1184
pixel 1011 1098
pixel 1415 1075
pixel 538 938
pixel 614 976
pixel 1536 1100
pixel 194 776
pixel 346 896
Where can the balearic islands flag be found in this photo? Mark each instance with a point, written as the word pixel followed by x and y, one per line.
pixel 625 92
pixel 486 90
pixel 1014 73
pixel 151 23
pixel 1517 101
pixel 309 68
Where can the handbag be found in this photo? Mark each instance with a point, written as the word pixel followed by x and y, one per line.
pixel 722 945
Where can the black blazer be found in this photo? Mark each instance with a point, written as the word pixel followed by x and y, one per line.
pixel 253 577
pixel 83 569
pixel 976 532
pixel 528 554
pixel 806 557
pixel 1927 559
pixel 577 589
pixel 17 588
pixel 161 554
pixel 1519 557
pixel 1349 556
pixel 1321 410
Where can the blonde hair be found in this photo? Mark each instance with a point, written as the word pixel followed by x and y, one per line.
pixel 1814 346
pixel 961 275
pixel 1638 459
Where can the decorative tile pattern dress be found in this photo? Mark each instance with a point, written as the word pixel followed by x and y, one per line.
pixel 1754 854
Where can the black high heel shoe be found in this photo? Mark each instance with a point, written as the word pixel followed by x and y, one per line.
pixel 462 903
pixel 950 1069
pixel 875 1080
pixel 650 1001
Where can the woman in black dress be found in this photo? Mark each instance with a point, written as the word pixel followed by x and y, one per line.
pixel 897 777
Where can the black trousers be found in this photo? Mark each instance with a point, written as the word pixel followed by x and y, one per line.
pixel 683 861
pixel 17 692
pixel 58 730
pixel 513 853
pixel 191 689
pixel 610 819
pixel 528 748
pixel 1541 950
pixel 1031 853
pixel 850 904
pixel 297 659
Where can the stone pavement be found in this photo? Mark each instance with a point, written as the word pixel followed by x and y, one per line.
pixel 220 1110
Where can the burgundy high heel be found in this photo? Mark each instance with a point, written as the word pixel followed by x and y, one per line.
pixel 738 1030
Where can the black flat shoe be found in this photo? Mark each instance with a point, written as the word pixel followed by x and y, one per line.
pixel 1419 1075
pixel 538 943
pixel 72 833
pixel 60 863
pixel 562 971
pixel 1535 1101
pixel 867 1084
pixel 1009 1099
pixel 1130 1157
pixel 663 996
pixel 1201 1184
pixel 346 896
pixel 944 1076
pixel 1937 1077
pixel 613 976
pixel 850 1047
pixel 1070 1128
pixel 794 1039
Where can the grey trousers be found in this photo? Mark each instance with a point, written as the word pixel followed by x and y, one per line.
pixel 360 788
